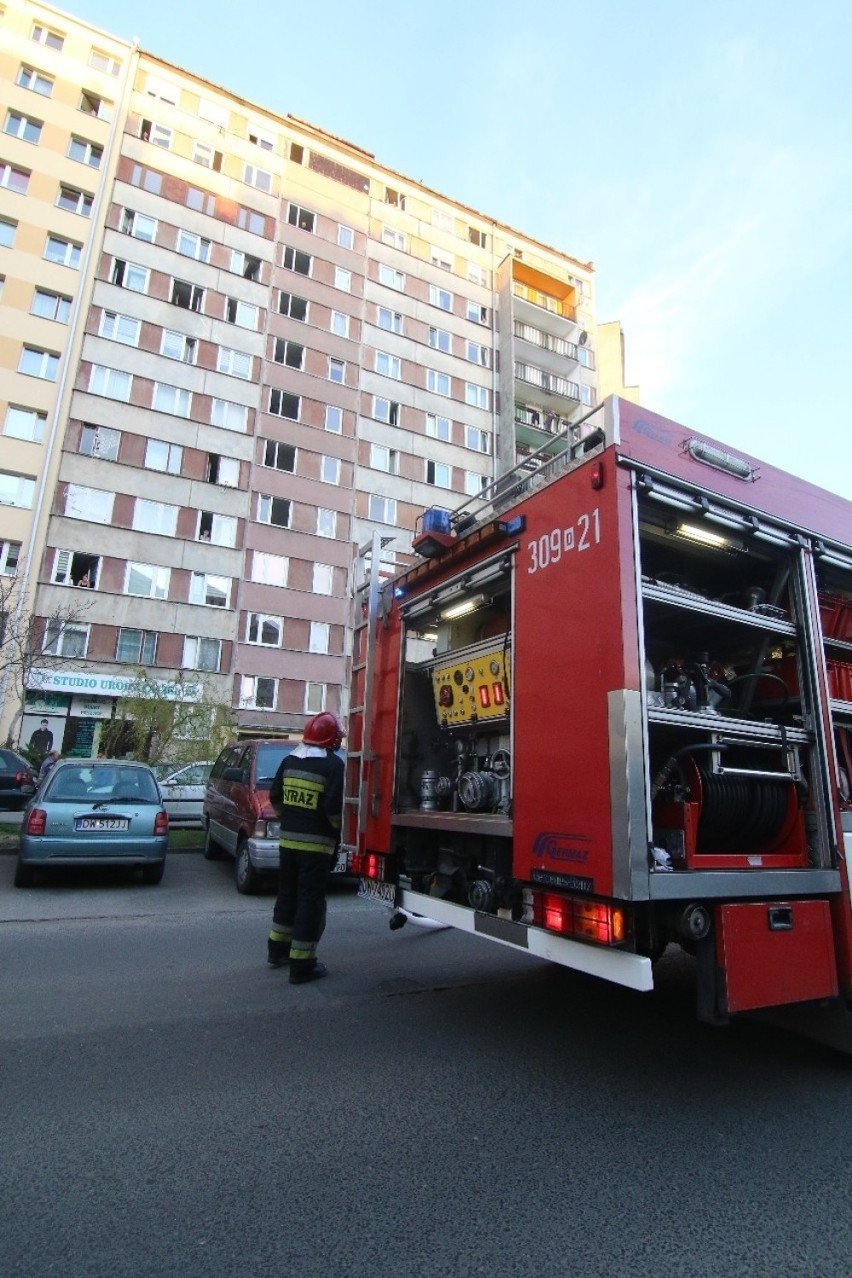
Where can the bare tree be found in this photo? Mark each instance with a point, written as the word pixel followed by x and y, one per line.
pixel 29 642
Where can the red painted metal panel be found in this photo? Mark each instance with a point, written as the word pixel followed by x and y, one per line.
pixel 775 952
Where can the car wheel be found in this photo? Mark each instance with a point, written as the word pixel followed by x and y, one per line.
pixel 245 875
pixel 152 874
pixel 24 875
pixel 211 850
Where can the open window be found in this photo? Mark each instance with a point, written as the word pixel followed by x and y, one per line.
pixel 74 568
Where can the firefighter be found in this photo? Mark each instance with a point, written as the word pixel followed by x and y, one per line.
pixel 307 795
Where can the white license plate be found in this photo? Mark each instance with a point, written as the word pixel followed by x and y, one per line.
pixel 341 864
pixel 379 893
pixel 102 823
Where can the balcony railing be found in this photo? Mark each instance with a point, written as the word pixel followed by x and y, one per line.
pixel 549 382
pixel 559 345
pixel 545 300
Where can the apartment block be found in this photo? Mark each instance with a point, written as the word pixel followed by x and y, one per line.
pixel 231 347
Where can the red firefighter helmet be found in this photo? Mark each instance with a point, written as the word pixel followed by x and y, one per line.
pixel 323 730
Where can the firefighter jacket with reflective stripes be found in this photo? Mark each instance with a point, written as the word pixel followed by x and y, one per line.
pixel 307 795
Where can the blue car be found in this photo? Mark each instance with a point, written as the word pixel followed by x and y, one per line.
pixel 95 812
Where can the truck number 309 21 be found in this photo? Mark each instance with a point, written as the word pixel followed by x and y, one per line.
pixel 549 548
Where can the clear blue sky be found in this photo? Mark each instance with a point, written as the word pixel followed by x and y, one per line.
pixel 699 153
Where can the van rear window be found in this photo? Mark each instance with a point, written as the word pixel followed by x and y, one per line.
pixel 268 759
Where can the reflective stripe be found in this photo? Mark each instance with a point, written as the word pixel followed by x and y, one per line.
pixel 300 842
pixel 281 934
pixel 300 951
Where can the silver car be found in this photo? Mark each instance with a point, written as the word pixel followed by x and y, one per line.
pixel 183 792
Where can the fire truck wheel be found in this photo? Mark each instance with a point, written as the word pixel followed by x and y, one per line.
pixel 246 876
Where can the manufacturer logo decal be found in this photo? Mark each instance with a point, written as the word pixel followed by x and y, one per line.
pixel 554 846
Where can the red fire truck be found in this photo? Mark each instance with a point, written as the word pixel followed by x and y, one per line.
pixel 607 707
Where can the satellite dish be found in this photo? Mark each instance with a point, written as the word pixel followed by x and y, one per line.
pixel 584 337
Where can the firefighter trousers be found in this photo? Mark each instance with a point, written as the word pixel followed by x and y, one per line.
pixel 300 909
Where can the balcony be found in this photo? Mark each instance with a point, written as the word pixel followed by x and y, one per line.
pixel 545 301
pixel 552 389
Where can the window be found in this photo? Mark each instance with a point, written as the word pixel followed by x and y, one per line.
pixel 160 455
pixel 213 113
pixel 443 220
pixel 392 278
pixel 440 383
pixel 386 410
pixel 210 590
pixel 219 530
pixel 99 441
pixel 440 297
pixel 246 264
pixel 326 523
pixel 85 152
pixel 171 399
pixel 323 579
pixel 394 197
pixel 257 692
pixel 130 276
pixel 438 427
pixel 476 396
pixel 342 279
pixel 278 455
pixel 437 473
pixel 320 635
pixel 14 179
pixel 476 353
pixel 92 504
pixel 62 639
pixel 587 395
pixel 388 365
pixel 248 220
pixel 111 382
pixel 396 239
pixel 10 555
pixel 390 320
pixel 23 127
pixel 62 252
pixel 474 483
pixel 337 370
pixel 74 201
pixel 479 238
pixel 382 509
pixel 269 570
pixel 260 137
pixel 155 517
pixel 104 62
pixel 241 313
pixel 24 423
pixel 120 328
pixel 200 653
pixel 93 104
pixel 290 353
pixel 139 225
pixel 477 314
pixel 282 404
pixel 193 246
pixel 50 39
pixel 261 179
pixel 136 646
pixel 7 232
pixel 334 419
pixel 477 439
pixel 295 307
pixel 147 178
pixel 274 510
pixel 156 134
pixel 149 581
pixel 224 471
pixel 297 153
pixel 28 78
pixel 300 217
pixel 207 156
pixel 315 694
pixel 70 569
pixel 52 306
pixel 297 261
pixel 176 345
pixel 16 490
pixel 330 470
pixel 386 459
pixel 346 237
pixel 441 340
pixel 39 363
pixel 228 415
pixel 165 90
pixel 235 363
pixel 340 324
pixel 264 630
pixel 585 357
pixel 189 296
pixel 477 274
pixel 442 259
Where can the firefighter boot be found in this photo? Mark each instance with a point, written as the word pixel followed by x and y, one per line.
pixel 277 948
pixel 302 970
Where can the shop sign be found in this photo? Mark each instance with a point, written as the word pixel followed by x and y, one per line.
pixel 90 684
pixel 91 708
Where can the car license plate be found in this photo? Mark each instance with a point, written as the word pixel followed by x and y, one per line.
pixel 341 864
pixel 102 823
pixel 378 893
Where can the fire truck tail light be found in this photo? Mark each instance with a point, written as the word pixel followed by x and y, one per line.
pixel 598 475
pixel 574 916
pixel 367 865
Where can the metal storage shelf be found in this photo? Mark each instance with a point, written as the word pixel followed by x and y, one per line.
pixel 711 608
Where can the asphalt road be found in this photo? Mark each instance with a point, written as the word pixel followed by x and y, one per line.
pixel 438 1107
